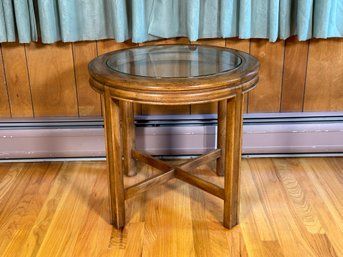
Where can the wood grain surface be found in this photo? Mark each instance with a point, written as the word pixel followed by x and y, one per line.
pixel 128 138
pixel 266 97
pixel 295 83
pixel 221 136
pixel 324 89
pixel 17 77
pixel 233 156
pixel 208 107
pixel 88 100
pixel 105 46
pixel 172 90
pixel 5 111
pixel 294 75
pixel 52 77
pixel 241 45
pixel 289 207
pixel 114 160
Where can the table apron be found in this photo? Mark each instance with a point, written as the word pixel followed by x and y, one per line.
pixel 175 98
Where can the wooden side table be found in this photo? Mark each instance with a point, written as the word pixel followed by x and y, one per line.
pixel 173 75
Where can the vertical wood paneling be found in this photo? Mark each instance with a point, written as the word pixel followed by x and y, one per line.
pixel 52 77
pixel 52 80
pixel 179 40
pixel 88 100
pixel 208 107
pixel 324 87
pixel 210 41
pixel 266 96
pixel 294 75
pixel 238 44
pixel 4 101
pixel 105 46
pixel 159 110
pixel 17 78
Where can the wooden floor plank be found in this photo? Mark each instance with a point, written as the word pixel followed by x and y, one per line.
pixel 289 207
pixel 91 236
pixel 26 208
pixel 70 213
pixel 253 232
pixel 327 203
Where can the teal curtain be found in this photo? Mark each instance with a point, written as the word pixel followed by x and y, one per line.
pixel 17 21
pixel 74 20
pixel 142 20
pixel 271 19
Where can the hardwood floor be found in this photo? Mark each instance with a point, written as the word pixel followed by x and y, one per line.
pixel 289 207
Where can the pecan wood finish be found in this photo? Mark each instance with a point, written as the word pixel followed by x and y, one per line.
pixel 173 75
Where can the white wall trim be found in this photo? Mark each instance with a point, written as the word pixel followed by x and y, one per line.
pixel 262 134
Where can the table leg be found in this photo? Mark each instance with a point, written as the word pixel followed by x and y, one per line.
pixel 114 162
pixel 233 159
pixel 221 136
pixel 128 137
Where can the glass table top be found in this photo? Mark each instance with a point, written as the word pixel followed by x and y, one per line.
pixel 174 61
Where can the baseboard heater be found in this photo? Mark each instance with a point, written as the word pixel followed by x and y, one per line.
pixel 173 135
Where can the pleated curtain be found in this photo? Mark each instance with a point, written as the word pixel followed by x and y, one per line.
pixel 142 20
pixel 17 21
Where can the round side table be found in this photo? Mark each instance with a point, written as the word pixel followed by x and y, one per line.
pixel 173 75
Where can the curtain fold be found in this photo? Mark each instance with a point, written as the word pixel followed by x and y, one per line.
pixel 328 18
pixel 141 12
pixel 76 20
pixel 143 20
pixel 17 21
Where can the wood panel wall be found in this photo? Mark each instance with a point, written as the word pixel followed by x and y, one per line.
pixel 52 80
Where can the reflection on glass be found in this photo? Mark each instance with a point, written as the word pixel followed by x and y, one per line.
pixel 173 61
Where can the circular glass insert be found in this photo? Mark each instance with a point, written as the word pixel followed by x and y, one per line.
pixel 174 61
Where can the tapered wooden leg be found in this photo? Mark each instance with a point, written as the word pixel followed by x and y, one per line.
pixel 114 162
pixel 233 160
pixel 128 138
pixel 221 136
